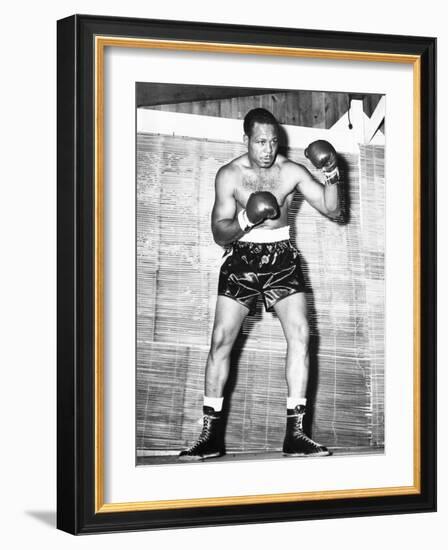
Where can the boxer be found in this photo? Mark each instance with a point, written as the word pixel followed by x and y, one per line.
pixel 253 194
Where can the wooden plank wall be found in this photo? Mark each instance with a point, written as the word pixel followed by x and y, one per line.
pixel 177 270
pixel 297 108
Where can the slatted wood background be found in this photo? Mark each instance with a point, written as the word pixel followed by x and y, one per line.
pixel 177 270
pixel 312 109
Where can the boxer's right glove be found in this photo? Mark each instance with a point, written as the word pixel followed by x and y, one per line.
pixel 260 206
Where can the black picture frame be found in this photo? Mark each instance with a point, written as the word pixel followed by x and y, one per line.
pixel 79 504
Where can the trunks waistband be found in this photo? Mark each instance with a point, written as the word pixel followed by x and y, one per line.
pixel 262 235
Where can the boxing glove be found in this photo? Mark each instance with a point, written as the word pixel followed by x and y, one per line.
pixel 262 206
pixel 323 156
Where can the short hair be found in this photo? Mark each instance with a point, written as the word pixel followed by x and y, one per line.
pixel 262 116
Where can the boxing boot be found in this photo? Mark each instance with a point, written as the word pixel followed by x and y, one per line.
pixel 210 443
pixel 296 442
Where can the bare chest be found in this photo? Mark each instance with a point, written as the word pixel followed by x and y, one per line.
pixel 253 182
pixel 271 181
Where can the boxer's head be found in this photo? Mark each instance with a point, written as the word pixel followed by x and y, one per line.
pixel 260 116
pixel 261 137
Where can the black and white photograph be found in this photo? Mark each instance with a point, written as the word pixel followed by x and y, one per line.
pixel 222 316
pixel 260 284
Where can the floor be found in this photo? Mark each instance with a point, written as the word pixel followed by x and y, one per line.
pixel 170 457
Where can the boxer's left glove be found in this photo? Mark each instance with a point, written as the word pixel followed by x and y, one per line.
pixel 260 206
pixel 323 156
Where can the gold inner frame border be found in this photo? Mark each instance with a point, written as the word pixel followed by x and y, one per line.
pixel 100 43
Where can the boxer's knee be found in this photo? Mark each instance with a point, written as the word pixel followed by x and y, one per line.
pixel 298 334
pixel 222 341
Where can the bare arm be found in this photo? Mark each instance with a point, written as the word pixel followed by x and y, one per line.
pixel 325 198
pixel 225 225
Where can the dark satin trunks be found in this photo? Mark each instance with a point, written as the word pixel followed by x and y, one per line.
pixel 271 270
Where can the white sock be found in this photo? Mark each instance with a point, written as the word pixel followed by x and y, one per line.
pixel 292 402
pixel 214 402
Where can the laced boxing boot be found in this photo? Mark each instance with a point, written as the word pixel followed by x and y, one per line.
pixel 296 442
pixel 210 443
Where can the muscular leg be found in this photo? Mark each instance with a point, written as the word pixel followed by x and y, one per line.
pixel 229 317
pixel 292 314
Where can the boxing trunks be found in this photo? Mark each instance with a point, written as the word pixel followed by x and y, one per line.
pixel 263 262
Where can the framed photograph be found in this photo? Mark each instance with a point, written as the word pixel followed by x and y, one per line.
pixel 246 274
